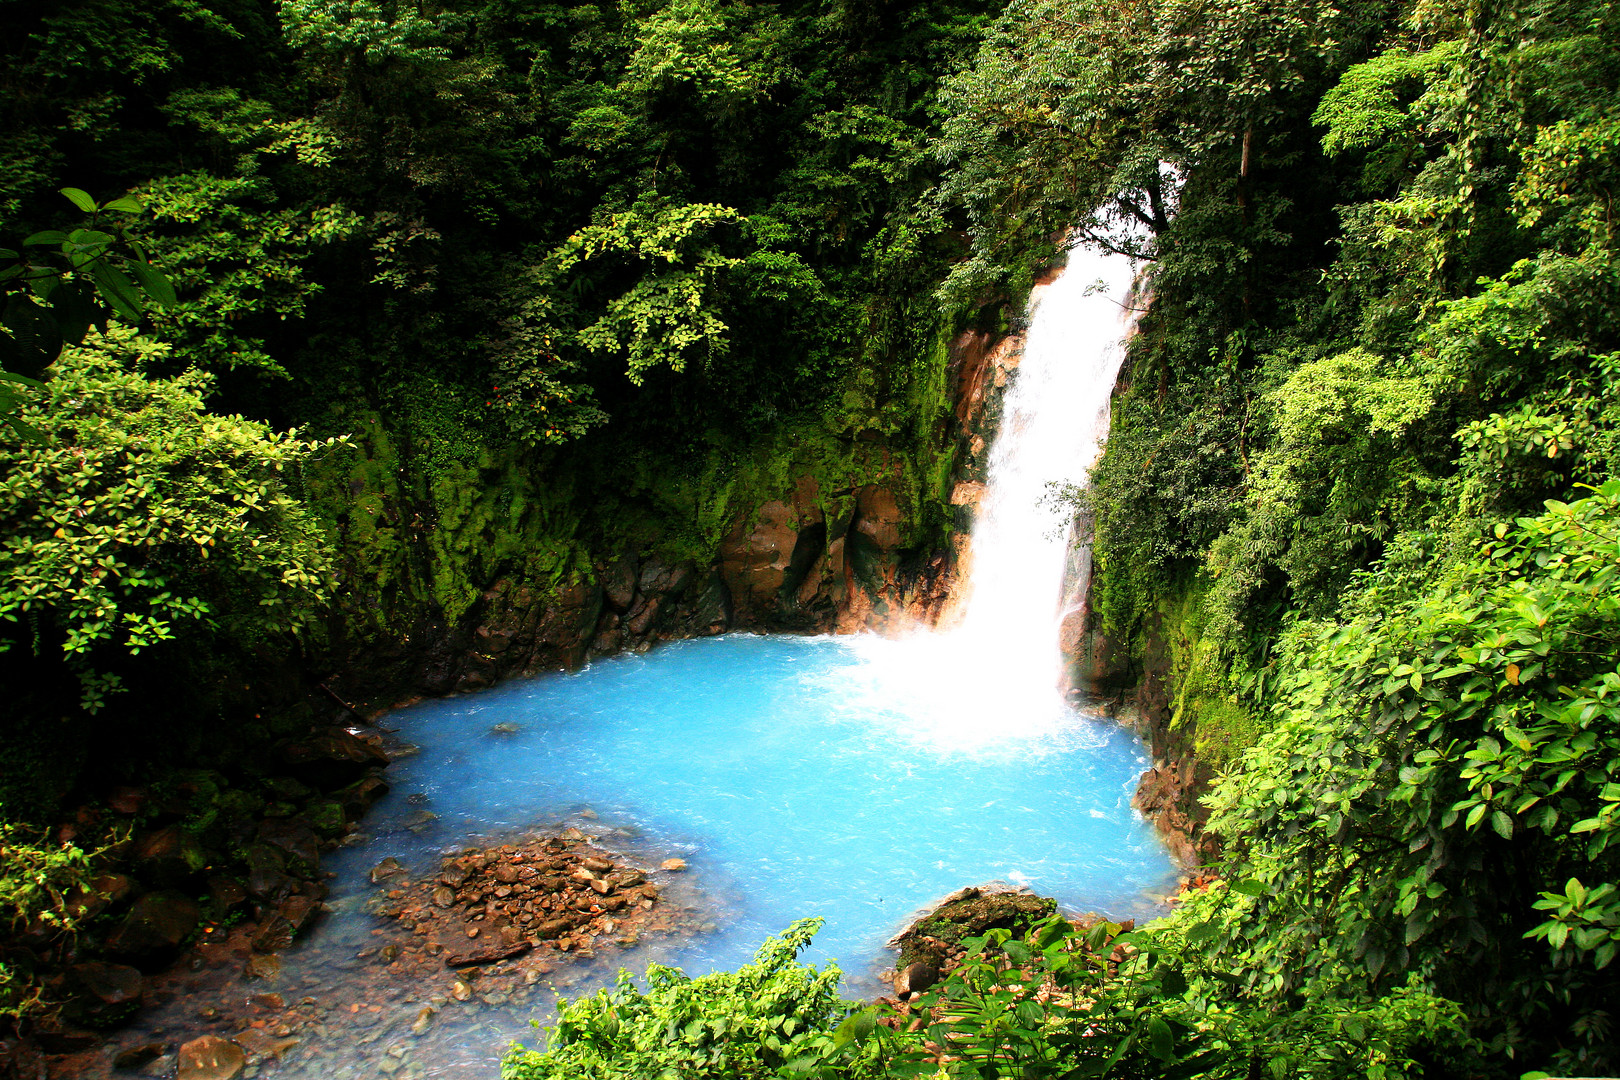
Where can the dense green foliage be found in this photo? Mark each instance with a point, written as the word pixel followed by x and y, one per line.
pixel 470 292
pixel 1053 1002
pixel 571 281
pixel 1358 491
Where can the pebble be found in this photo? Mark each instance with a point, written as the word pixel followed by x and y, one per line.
pixel 674 866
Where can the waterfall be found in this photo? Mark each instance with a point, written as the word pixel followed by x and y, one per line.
pixel 1054 417
pixel 994 675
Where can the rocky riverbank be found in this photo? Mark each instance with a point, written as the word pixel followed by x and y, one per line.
pixel 405 968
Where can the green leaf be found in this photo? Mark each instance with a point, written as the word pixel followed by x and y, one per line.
pixel 156 285
pixel 1247 888
pixel 80 198
pixel 1200 932
pixel 1161 1042
pixel 47 238
pixel 75 309
pixel 127 204
pixel 1502 824
pixel 35 336
pixel 117 290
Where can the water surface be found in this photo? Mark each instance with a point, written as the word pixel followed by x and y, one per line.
pixel 792 783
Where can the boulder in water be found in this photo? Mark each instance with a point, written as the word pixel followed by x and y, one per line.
pixel 915 978
pixel 938 931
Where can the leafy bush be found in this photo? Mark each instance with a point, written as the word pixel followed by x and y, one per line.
pixel 140 514
pixel 748 1023
pixel 1056 1002
pixel 1447 747
pixel 37 882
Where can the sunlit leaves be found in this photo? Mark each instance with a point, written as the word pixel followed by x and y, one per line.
pixel 137 513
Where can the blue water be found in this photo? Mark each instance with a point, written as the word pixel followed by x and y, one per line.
pixel 855 778
pixel 774 767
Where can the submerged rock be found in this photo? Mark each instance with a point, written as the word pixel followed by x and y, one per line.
pixel 389 867
pixel 211 1058
pixel 112 984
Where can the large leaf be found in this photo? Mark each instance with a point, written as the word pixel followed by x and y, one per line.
pixel 74 306
pixel 80 198
pixel 117 290
pixel 156 285
pixel 34 333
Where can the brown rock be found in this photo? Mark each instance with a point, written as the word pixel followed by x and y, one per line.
pixel 156 924
pixel 268 879
pixel 674 866
pixel 225 895
pixel 262 966
pixel 127 801
pixel 554 928
pixel 259 1045
pixel 598 865
pixel 389 867
pixel 112 984
pixel 296 840
pixel 211 1058
pixel 915 978
pixel 169 858
pixel 491 951
pixel 878 516
pixel 279 930
pixel 133 1057
pixel 359 796
pixel 506 873
pixel 330 759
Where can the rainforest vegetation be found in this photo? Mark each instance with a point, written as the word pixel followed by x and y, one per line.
pixel 321 315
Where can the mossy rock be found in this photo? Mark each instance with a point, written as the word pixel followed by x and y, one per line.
pixel 969 913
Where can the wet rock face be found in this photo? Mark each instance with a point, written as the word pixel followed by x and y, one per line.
pixel 1170 794
pixel 808 560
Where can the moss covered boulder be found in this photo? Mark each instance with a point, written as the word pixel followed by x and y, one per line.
pixel 934 936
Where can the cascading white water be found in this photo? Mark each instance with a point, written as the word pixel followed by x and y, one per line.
pixel 1054 416
pixel 996 672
